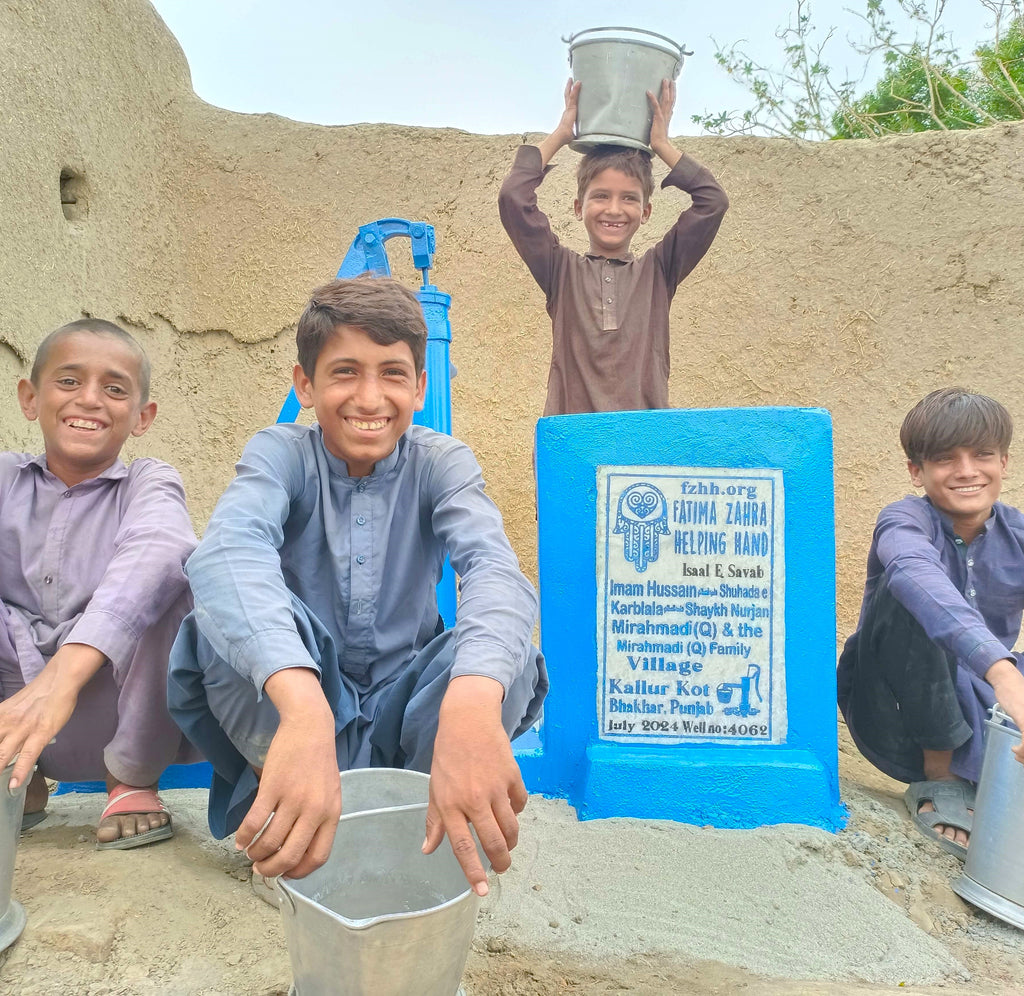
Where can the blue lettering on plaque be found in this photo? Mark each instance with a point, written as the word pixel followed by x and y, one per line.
pixel 642 518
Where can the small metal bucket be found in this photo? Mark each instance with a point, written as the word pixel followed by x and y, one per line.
pixel 617 66
pixel 12 807
pixel 993 876
pixel 380 918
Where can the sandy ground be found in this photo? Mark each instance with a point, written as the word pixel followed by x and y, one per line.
pixel 623 906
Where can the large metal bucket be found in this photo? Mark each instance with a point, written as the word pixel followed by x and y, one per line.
pixel 12 807
pixel 380 918
pixel 617 66
pixel 993 876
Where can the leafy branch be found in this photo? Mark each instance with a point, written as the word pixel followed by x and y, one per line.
pixel 925 84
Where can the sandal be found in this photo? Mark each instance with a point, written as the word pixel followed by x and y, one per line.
pixel 125 801
pixel 952 800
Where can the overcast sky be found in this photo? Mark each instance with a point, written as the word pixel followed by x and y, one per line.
pixel 479 65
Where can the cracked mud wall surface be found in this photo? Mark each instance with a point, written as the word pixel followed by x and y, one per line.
pixel 854 276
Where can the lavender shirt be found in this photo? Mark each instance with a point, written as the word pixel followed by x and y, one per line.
pixel 97 563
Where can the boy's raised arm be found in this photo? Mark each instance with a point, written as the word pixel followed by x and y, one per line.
pixel 565 131
pixel 661 107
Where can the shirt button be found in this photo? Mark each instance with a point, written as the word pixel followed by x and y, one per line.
pixel 67 494
pixel 361 520
pixel 610 300
pixel 607 280
pixel 970 563
pixel 362 560
pixel 361 486
pixel 971 593
pixel 48 579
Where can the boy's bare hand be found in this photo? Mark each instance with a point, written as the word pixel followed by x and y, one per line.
pixel 661 108
pixel 300 790
pixel 35 714
pixel 565 131
pixel 1008 684
pixel 474 780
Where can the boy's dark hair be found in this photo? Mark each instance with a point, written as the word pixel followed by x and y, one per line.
pixel 633 162
pixel 951 417
pixel 98 326
pixel 384 309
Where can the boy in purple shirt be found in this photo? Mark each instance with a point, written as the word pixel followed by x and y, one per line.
pixel 92 586
pixel 941 612
pixel 609 310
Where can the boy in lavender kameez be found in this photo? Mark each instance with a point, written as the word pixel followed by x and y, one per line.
pixel 941 613
pixel 316 645
pixel 92 587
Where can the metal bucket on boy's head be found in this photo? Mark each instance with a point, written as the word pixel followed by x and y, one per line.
pixel 616 67
pixel 993 877
pixel 12 807
pixel 380 918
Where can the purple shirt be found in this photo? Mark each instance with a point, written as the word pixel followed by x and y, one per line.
pixel 97 563
pixel 967 598
pixel 609 317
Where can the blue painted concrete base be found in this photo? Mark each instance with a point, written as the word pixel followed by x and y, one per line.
pixel 720 786
pixel 177 776
pixel 794 777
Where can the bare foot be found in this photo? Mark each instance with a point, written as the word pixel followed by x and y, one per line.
pixel 125 825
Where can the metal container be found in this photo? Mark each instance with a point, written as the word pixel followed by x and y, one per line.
pixel 12 807
pixel 993 876
pixel 380 917
pixel 617 66
pixel 364 789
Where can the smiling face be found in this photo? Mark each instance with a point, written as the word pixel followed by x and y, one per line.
pixel 964 482
pixel 87 402
pixel 364 395
pixel 612 209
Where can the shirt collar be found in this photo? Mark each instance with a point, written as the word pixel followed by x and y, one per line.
pixel 114 472
pixel 623 260
pixel 946 523
pixel 381 468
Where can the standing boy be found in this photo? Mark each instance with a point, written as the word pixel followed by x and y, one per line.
pixel 609 310
pixel 92 587
pixel 942 610
pixel 316 643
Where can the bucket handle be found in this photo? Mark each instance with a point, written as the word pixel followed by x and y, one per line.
pixel 639 31
pixel 282 894
pixel 1000 717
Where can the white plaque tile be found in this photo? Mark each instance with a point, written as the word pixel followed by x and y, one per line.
pixel 691 605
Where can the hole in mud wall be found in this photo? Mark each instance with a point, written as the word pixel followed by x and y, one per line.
pixel 74 194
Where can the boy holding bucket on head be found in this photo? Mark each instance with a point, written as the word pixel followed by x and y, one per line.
pixel 92 586
pixel 609 309
pixel 316 644
pixel 942 609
